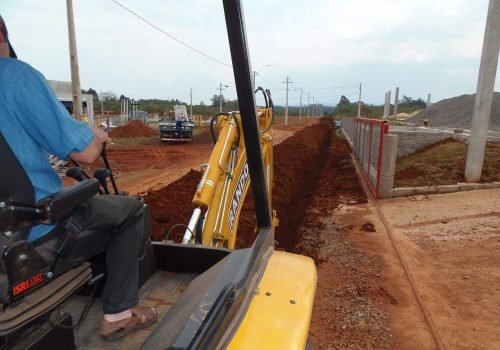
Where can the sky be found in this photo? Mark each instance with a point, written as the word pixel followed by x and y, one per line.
pixel 325 47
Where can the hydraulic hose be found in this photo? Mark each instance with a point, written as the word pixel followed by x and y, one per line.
pixel 263 93
pixel 214 139
pixel 271 105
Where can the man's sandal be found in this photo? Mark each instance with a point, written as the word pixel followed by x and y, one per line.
pixel 141 317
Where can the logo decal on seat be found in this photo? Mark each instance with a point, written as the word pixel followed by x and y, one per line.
pixel 28 284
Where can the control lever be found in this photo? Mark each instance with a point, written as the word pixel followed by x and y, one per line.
pixel 106 163
pixel 75 173
pixel 102 175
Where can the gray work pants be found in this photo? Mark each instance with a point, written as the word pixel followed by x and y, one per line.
pixel 112 224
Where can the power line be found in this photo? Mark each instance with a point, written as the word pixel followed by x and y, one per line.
pixel 334 87
pixel 170 35
pixel 346 94
pixel 274 86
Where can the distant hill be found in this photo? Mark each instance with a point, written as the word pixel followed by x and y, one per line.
pixel 456 112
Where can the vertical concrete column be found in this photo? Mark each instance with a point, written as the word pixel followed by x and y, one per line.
pixel 388 103
pixel 396 101
pixel 427 105
pixel 385 107
pixel 484 94
pixel 388 165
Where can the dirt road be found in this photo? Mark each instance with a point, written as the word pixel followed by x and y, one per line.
pixel 452 245
pixel 142 167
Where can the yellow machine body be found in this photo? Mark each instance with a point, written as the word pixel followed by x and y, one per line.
pixel 280 312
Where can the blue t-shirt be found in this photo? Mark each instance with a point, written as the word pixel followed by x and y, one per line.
pixel 35 123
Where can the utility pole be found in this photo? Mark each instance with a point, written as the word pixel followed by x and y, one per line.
pixel 191 102
pixel 286 106
pixel 126 109
pixel 73 56
pixel 308 98
pixel 484 94
pixel 359 101
pixel 220 96
pixel 300 108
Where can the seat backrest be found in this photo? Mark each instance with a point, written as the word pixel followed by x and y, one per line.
pixel 15 185
pixel 16 189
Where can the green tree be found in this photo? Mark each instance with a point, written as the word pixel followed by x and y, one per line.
pixel 216 100
pixel 108 96
pixel 344 101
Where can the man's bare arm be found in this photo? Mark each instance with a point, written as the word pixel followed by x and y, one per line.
pixel 94 149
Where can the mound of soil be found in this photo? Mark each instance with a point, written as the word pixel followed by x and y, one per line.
pixel 457 112
pixel 202 135
pixel 134 128
pixel 443 163
pixel 296 166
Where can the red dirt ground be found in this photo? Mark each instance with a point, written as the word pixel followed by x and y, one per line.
pixel 134 128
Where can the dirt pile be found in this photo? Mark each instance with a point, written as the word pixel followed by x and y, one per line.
pixel 443 163
pixel 134 128
pixel 349 308
pixel 171 205
pixel 296 166
pixel 456 112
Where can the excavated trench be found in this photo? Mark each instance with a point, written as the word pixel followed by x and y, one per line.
pixel 299 162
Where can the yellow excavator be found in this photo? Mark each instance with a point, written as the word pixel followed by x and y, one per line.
pixel 208 295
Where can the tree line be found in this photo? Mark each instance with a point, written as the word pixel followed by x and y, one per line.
pixel 112 102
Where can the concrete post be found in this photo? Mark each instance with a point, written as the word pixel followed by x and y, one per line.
pixel 286 107
pixel 484 94
pixel 300 108
pixel 388 103
pixel 359 101
pixel 396 101
pixel 387 106
pixel 388 165
pixel 428 104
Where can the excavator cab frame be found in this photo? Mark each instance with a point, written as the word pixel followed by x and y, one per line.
pixel 249 298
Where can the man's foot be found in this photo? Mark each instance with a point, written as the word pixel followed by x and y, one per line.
pixel 141 318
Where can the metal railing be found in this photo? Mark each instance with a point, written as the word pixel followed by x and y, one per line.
pixel 368 144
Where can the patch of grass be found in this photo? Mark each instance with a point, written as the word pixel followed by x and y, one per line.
pixel 149 140
pixel 443 163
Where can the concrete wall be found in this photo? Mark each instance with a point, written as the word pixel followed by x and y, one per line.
pixel 412 139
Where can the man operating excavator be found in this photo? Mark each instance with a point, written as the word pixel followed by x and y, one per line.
pixel 34 123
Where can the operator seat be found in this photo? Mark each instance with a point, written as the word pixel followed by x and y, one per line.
pixel 32 282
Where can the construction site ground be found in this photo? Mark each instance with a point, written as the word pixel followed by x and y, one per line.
pixel 449 243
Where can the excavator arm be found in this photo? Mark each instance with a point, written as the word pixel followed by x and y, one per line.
pixel 222 190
